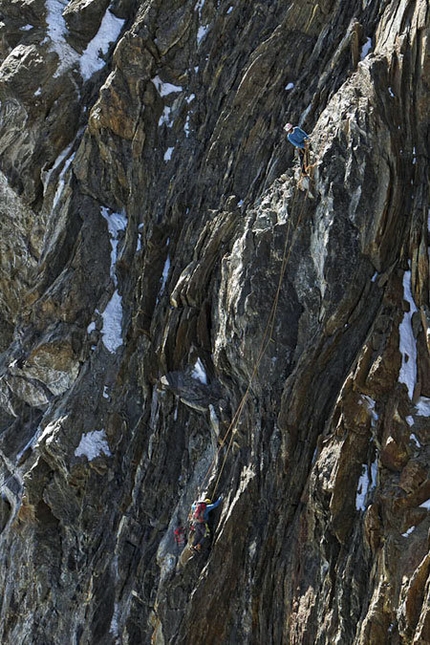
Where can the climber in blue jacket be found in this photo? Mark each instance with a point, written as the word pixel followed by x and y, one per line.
pixel 299 139
pixel 199 517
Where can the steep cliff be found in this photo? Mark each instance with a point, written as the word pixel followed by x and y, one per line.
pixel 181 316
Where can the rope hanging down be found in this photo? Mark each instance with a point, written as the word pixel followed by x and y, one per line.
pixel 263 347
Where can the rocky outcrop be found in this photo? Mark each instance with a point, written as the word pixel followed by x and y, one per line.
pixel 183 315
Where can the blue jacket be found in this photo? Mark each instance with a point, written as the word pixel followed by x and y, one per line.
pixel 208 509
pixel 298 137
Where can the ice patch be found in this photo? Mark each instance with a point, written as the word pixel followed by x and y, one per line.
pixel 425 504
pixel 407 344
pixel 289 86
pixel 92 445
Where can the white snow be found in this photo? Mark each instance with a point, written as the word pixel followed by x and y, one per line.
pixel 408 532
pixel 190 98
pixel 230 9
pixel 415 440
pixel 60 186
pixel 410 420
pixel 407 344
pixel 370 405
pixel 199 373
pixel 201 33
pixel 425 504
pixel 187 126
pixel 423 407
pixel 366 48
pixel 165 272
pixel 91 327
pixel 92 445
pixel 112 323
pixel 164 89
pixel 116 222
pixel 166 117
pixel 56 33
pixel 289 86
pixel 391 93
pixel 366 483
pixel 26 28
pixel 105 392
pixel 168 154
pixel 92 58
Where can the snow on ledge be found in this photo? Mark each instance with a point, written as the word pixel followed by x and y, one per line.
pixel 93 444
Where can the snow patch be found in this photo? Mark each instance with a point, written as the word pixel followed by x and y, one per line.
pixel 56 33
pixel 92 58
pixel 202 33
pixel 116 222
pixel 60 186
pixel 166 117
pixel 165 275
pixel 366 484
pixel 92 445
pixel 366 48
pixel 199 372
pixel 425 504
pixel 407 344
pixel 168 154
pixel 112 323
pixel 408 532
pixel 415 440
pixel 423 407
pixel 289 86
pixel 164 89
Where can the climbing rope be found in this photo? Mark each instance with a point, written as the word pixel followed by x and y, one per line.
pixel 267 336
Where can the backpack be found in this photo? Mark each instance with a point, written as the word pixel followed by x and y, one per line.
pixel 199 511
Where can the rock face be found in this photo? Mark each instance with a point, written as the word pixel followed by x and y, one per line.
pixel 182 316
